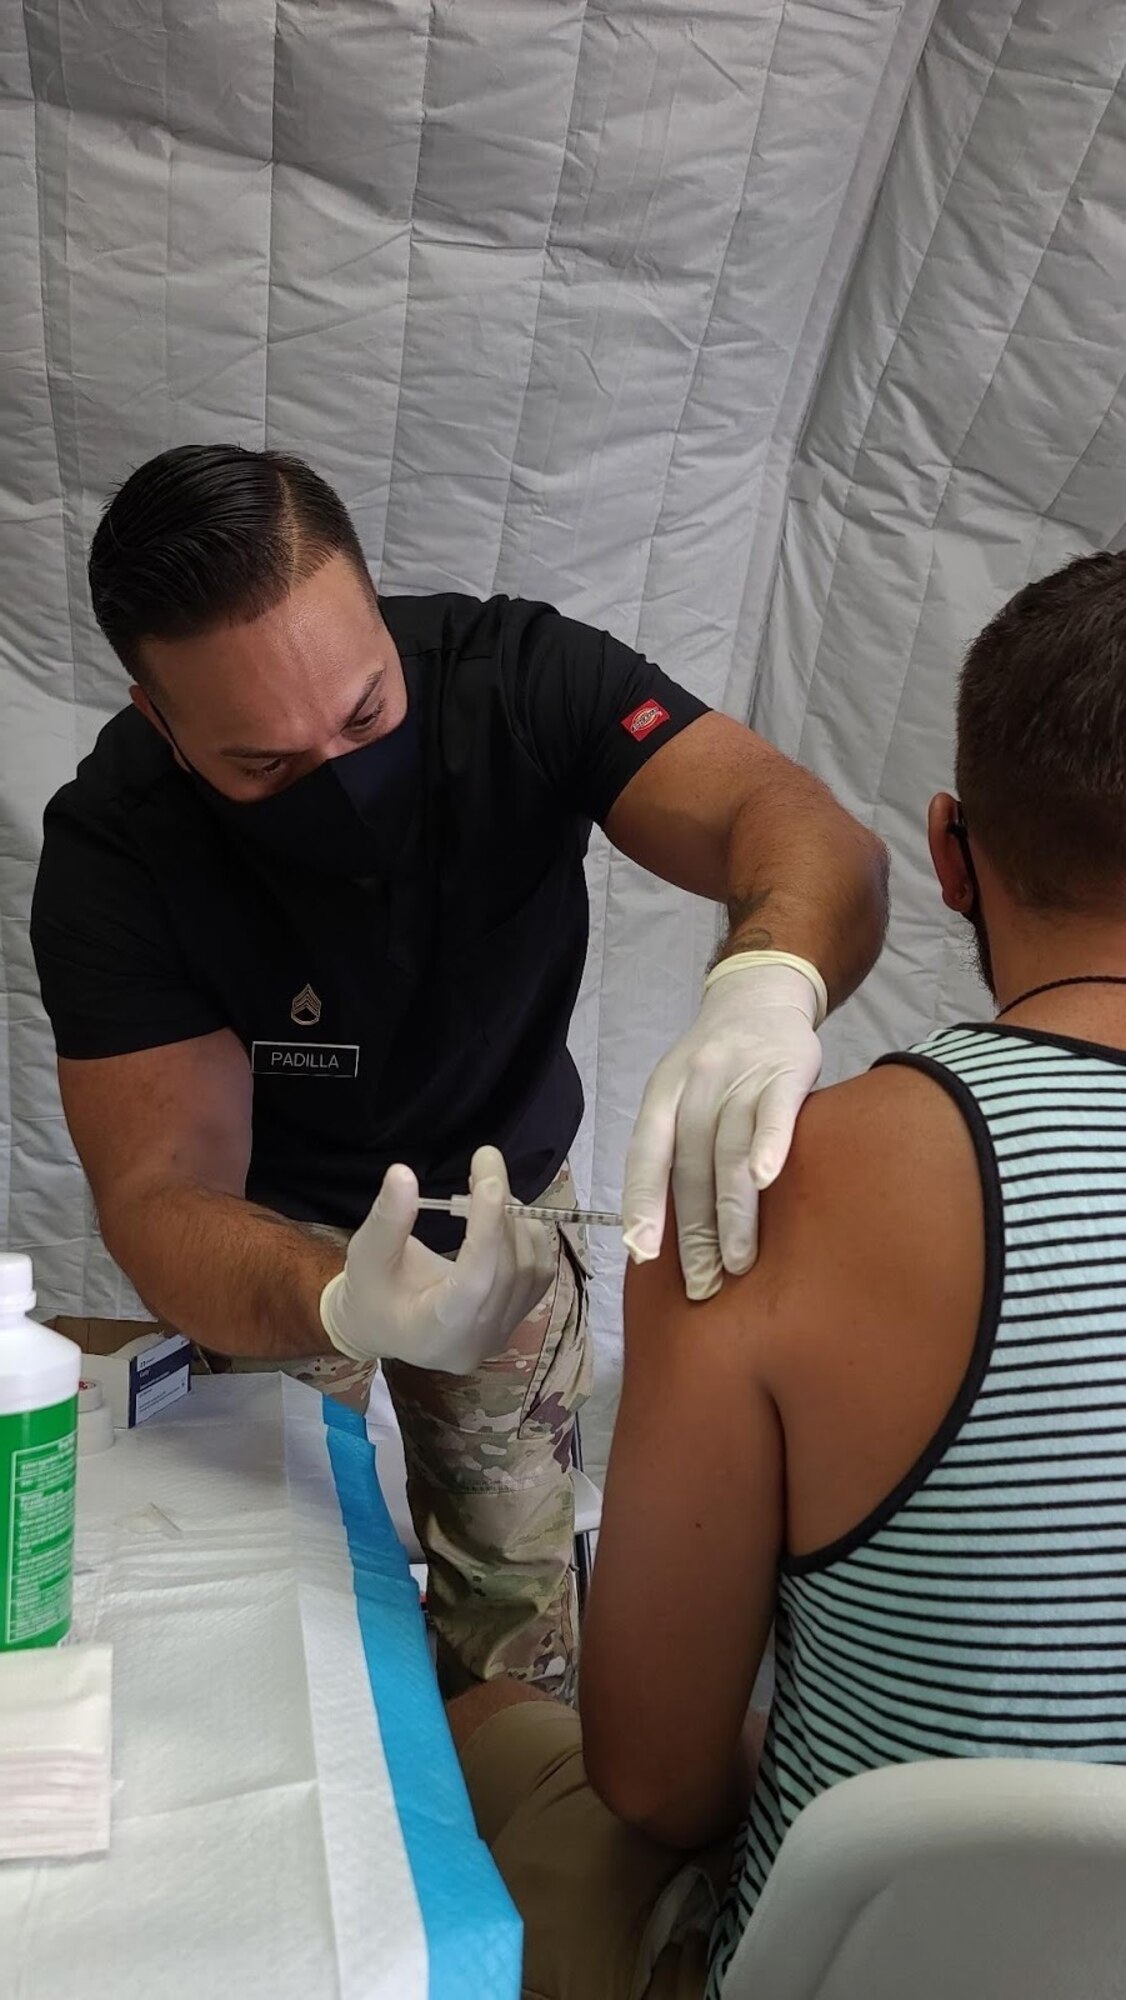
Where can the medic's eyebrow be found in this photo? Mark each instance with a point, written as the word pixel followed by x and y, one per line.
pixel 246 755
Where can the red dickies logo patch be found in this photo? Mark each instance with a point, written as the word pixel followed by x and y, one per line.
pixel 644 720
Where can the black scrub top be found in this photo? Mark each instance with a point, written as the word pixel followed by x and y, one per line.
pixel 412 1016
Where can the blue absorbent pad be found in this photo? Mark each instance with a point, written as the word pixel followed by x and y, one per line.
pixel 473 1934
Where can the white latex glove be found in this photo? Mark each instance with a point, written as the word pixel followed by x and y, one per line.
pixel 397 1300
pixel 719 1115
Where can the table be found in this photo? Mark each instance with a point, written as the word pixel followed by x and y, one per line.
pixel 289 1817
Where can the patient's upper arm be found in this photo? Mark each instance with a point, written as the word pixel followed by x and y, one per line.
pixel 684 1586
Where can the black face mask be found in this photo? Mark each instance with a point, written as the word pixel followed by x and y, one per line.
pixel 350 817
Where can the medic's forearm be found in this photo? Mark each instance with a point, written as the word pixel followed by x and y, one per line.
pixel 805 877
pixel 236 1278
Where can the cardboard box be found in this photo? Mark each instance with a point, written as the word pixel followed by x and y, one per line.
pixel 142 1378
pixel 140 1367
pixel 104 1336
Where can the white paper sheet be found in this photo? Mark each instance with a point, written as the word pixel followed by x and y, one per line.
pixel 260 1845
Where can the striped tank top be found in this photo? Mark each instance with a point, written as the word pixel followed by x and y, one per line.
pixel 981 1609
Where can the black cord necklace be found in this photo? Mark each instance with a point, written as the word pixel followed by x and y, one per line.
pixel 1052 986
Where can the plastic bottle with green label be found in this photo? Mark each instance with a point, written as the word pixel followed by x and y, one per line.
pixel 39 1373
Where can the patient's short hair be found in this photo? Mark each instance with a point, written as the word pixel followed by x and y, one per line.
pixel 1041 764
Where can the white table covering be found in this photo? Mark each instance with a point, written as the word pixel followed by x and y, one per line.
pixel 289 1821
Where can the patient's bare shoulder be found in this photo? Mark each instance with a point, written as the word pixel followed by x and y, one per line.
pixel 878 1211
pixel 873 1268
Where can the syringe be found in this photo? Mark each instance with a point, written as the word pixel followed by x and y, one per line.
pixel 539 1211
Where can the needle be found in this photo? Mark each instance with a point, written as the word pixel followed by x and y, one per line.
pixel 592 1218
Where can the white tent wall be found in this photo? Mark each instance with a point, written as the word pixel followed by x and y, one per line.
pixel 546 289
pixel 968 433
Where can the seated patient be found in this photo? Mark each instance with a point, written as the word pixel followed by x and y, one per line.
pixel 902 1436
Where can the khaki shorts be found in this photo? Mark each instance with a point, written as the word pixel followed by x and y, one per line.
pixel 608 1913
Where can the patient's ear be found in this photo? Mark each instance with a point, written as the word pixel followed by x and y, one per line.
pixel 948 854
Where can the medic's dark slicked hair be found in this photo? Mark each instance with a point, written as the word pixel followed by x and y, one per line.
pixel 207 535
pixel 1041 766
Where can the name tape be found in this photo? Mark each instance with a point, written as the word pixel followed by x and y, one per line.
pixel 325 1059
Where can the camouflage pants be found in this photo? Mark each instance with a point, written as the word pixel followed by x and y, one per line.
pixel 489 1481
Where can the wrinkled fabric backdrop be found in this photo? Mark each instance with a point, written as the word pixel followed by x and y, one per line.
pixel 785 340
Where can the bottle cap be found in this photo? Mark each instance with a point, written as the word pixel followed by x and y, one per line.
pixel 17 1284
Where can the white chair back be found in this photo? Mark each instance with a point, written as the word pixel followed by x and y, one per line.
pixel 989 1879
